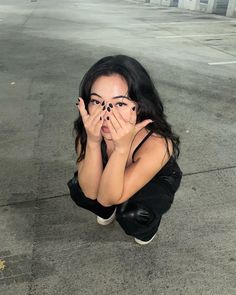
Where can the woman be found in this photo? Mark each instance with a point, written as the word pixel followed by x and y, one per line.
pixel 126 166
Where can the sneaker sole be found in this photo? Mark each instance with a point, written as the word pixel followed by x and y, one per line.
pixel 140 242
pixel 107 221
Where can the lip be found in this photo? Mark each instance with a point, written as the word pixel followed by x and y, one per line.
pixel 105 129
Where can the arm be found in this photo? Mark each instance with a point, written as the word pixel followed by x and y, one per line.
pixel 122 133
pixel 112 180
pixel 90 170
pixel 116 188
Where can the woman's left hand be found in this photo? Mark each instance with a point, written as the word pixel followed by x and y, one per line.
pixel 123 132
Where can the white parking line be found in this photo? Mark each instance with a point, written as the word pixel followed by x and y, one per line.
pixel 221 63
pixel 199 23
pixel 190 36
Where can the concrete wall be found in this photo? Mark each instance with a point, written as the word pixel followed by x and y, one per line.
pixel 231 10
pixel 165 2
pixel 189 4
pixel 222 7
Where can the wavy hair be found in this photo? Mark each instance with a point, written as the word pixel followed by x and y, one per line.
pixel 140 89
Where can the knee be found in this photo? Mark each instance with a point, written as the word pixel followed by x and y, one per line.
pixel 134 214
pixel 76 192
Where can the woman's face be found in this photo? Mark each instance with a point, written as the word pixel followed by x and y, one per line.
pixel 111 89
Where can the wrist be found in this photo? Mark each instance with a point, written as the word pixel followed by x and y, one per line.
pixel 93 144
pixel 123 150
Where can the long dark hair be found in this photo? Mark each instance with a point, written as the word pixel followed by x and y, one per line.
pixel 140 89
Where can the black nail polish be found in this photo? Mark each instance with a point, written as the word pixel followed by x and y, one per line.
pixel 100 118
pixel 133 108
pixel 110 105
pixel 103 108
pixel 103 103
pixel 108 118
pixel 77 103
pixel 79 99
pixel 108 109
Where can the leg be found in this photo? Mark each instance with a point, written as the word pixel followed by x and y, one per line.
pixel 81 200
pixel 137 220
pixel 141 215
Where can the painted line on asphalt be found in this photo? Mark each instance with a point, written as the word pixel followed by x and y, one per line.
pixel 222 63
pixel 190 23
pixel 190 36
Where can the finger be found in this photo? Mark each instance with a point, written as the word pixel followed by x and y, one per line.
pixel 133 115
pixel 95 112
pixel 83 112
pixel 118 117
pixel 98 119
pixel 110 126
pixel 142 124
pixel 99 114
pixel 99 123
pixel 116 125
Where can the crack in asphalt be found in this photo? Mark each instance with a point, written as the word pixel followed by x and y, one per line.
pixel 66 195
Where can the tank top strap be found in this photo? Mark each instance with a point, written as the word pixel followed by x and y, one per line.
pixel 136 149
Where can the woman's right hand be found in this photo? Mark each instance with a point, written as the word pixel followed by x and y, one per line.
pixel 92 122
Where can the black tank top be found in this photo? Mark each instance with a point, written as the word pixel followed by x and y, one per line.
pixel 104 153
pixel 136 149
pixel 170 174
pixel 167 169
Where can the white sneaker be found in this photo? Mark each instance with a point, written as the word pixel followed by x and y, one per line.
pixel 103 221
pixel 144 242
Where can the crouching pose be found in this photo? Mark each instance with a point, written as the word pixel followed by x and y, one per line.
pixel 127 152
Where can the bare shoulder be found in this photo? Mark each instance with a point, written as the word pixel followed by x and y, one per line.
pixel 155 144
pixel 158 141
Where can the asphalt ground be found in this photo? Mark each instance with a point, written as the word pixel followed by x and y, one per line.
pixel 48 245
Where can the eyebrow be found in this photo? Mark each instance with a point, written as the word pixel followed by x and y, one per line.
pixel 119 96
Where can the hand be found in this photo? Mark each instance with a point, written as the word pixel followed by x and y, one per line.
pixel 92 122
pixel 123 132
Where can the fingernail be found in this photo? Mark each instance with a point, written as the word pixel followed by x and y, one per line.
pixel 100 118
pixel 103 103
pixel 108 109
pixel 110 105
pixel 103 108
pixel 133 108
pixel 108 118
pixel 78 99
pixel 77 103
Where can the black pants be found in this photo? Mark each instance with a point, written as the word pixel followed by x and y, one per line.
pixel 140 216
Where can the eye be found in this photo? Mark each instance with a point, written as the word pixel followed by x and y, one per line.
pixel 94 101
pixel 121 104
